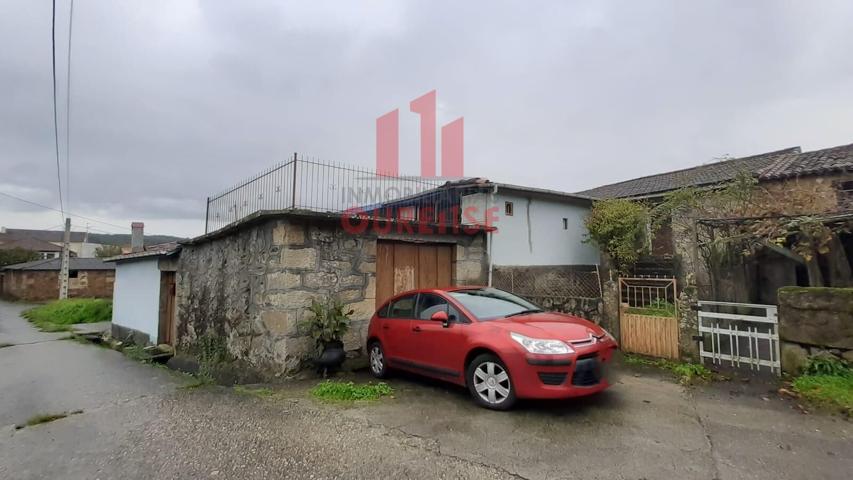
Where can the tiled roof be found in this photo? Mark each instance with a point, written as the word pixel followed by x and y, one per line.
pixel 150 251
pixel 27 243
pixel 691 177
pixel 818 162
pixel 54 264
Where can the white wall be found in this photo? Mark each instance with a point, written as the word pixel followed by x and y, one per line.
pixel 136 296
pixel 541 240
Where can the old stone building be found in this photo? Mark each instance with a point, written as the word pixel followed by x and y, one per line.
pixel 39 280
pixel 250 284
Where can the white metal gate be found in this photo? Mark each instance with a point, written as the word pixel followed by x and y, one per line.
pixel 742 340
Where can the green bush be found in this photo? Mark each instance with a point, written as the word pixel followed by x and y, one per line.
pixel 59 315
pixel 618 227
pixel 827 364
pixel 349 391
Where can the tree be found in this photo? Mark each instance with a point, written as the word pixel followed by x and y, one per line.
pixel 618 227
pixel 17 255
pixel 106 251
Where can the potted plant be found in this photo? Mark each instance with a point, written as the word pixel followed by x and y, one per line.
pixel 327 326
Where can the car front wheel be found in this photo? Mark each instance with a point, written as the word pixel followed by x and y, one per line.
pixel 489 382
pixel 376 357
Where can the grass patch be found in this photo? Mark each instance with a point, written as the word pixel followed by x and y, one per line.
pixel 46 418
pixel 261 392
pixel 348 391
pixel 687 373
pixel 826 382
pixel 829 391
pixel 59 315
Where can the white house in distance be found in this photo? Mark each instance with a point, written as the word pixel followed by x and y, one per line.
pixel 144 292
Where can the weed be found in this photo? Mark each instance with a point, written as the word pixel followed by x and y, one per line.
pixel 349 391
pixel 46 418
pixel 59 315
pixel 687 373
pixel 826 364
pixel 4 344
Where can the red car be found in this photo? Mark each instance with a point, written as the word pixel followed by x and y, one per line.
pixel 500 346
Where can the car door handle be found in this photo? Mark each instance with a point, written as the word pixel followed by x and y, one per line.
pixel 385 327
pixel 416 328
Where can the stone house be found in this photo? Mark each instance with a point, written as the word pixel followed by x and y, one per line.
pixel 39 280
pixel 249 284
pixel 827 174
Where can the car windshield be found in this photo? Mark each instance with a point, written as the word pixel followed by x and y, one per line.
pixel 491 303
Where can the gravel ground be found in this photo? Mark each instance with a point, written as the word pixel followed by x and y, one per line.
pixel 137 422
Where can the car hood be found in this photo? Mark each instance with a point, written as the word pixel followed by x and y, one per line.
pixel 550 325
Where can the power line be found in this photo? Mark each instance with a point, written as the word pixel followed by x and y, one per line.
pixel 68 113
pixel 55 121
pixel 69 213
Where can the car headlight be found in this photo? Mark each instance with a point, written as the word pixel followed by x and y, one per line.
pixel 538 345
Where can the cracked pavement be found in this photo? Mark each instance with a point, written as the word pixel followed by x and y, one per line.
pixel 137 423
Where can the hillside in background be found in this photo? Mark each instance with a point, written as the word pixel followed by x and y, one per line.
pixel 123 239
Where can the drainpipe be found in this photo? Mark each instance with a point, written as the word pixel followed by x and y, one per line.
pixel 489 241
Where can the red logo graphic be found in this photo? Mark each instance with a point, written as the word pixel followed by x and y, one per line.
pixel 452 142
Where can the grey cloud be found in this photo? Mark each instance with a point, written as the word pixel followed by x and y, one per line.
pixel 173 101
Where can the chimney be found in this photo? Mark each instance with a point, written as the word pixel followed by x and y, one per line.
pixel 137 243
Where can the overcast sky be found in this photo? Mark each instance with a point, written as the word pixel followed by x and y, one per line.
pixel 172 101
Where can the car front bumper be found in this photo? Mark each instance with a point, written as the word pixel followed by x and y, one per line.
pixel 584 373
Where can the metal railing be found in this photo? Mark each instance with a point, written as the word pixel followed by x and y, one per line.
pixel 310 184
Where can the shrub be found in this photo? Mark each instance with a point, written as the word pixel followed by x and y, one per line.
pixel 17 255
pixel 618 227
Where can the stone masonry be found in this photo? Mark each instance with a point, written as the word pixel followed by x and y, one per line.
pixel 252 286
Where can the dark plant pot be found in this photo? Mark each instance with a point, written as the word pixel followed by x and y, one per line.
pixel 332 357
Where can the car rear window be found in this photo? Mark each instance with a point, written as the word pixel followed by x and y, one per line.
pixel 491 303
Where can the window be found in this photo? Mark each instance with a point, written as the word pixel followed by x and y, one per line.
pixel 508 209
pixel 565 223
pixel 72 274
pixel 491 303
pixel 430 303
pixel 845 194
pixel 403 307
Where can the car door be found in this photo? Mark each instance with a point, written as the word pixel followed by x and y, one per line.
pixel 396 329
pixel 438 349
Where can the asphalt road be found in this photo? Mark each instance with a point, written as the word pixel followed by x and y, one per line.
pixel 137 423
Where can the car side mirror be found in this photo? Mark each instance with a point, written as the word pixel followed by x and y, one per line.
pixel 441 316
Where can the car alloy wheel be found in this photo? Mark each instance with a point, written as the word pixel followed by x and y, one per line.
pixel 377 361
pixel 490 383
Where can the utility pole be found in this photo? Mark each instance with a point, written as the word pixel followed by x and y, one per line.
pixel 63 269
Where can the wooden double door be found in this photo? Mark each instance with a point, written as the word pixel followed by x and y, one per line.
pixel 402 266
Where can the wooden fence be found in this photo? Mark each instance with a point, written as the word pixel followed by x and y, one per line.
pixel 648 316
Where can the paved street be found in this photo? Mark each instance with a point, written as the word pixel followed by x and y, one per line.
pixel 137 423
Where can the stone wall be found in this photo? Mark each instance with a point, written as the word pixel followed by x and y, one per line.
pixel 813 321
pixel 591 309
pixel 252 287
pixel 43 285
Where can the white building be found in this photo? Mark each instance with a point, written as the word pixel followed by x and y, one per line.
pixel 144 292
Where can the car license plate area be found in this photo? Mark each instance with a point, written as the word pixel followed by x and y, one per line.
pixel 588 372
